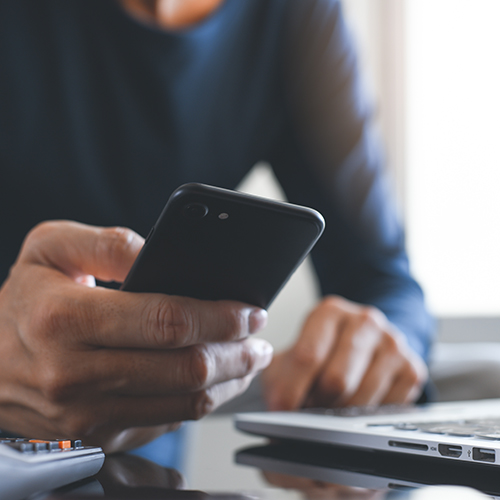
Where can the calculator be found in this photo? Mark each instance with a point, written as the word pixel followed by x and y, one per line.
pixel 29 466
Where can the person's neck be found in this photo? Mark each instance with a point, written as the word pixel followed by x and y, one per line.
pixel 171 14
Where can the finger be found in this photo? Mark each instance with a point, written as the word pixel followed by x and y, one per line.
pixel 377 380
pixel 403 391
pixel 102 317
pixel 302 363
pixel 127 412
pixel 105 415
pixel 19 418
pixel 408 384
pixel 157 373
pixel 78 249
pixel 349 361
pixel 118 440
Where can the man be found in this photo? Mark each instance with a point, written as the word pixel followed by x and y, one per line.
pixel 107 106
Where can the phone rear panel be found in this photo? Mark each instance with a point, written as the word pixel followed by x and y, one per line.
pixel 243 248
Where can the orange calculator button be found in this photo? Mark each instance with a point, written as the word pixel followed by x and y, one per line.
pixel 64 444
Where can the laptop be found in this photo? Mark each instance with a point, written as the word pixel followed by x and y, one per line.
pixel 466 431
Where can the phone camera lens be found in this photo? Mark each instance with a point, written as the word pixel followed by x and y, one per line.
pixel 195 210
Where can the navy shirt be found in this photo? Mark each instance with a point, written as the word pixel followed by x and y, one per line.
pixel 102 117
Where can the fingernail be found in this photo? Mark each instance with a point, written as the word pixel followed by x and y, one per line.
pixel 257 320
pixel 264 350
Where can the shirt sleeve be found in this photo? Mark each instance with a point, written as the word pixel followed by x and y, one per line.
pixel 328 157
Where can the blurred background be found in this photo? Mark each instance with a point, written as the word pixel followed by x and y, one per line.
pixel 432 69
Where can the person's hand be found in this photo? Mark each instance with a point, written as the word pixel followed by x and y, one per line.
pixel 113 368
pixel 346 355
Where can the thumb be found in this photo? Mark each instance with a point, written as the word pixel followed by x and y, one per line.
pixel 78 249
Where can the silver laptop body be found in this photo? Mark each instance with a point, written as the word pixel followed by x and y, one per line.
pixel 467 430
pixel 359 472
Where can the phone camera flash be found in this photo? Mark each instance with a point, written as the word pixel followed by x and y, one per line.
pixel 223 216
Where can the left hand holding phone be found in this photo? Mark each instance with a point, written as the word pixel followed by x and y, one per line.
pixel 114 368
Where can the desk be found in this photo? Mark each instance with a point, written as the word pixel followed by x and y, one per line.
pixel 291 472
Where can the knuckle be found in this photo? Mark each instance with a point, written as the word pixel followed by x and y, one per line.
pixel 55 383
pixel 392 346
pixel 421 371
pixel 335 383
pixel 115 243
pixel 169 325
pixel 36 238
pixel 72 420
pixel 414 371
pixel 334 302
pixel 200 368
pixel 41 231
pixel 53 315
pixel 410 376
pixel 248 360
pixel 305 357
pixel 372 316
pixel 202 405
pixel 413 376
pixel 235 324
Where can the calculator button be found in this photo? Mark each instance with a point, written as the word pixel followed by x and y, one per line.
pixel 43 445
pixel 21 446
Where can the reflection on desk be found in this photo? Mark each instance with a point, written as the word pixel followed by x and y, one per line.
pixel 324 471
pixel 295 472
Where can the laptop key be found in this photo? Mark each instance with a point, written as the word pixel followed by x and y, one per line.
pixel 405 426
pixel 488 435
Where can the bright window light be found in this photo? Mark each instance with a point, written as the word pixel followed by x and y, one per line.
pixel 453 153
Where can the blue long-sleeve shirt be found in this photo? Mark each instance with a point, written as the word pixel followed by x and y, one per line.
pixel 102 117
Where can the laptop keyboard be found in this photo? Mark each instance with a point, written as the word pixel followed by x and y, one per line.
pixel 487 428
pixel 484 428
pixel 363 411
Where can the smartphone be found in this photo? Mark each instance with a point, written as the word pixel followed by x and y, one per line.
pixel 216 244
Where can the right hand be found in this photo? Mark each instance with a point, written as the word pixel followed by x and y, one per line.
pixel 114 368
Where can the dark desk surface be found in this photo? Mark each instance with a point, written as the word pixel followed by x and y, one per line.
pixel 241 468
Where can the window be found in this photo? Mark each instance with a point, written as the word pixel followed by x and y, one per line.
pixel 452 138
pixel 433 68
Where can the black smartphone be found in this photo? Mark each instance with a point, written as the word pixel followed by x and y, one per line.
pixel 216 244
